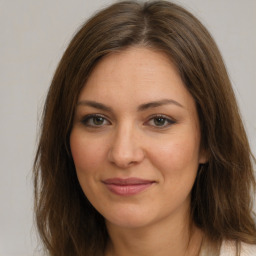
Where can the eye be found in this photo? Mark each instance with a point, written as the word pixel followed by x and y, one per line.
pixel 95 120
pixel 160 121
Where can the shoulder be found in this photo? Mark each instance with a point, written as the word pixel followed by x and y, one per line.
pixel 248 249
pixel 228 248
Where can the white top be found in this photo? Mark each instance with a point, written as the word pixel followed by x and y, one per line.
pixel 228 248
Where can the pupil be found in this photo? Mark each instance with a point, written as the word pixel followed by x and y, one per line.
pixel 159 121
pixel 98 120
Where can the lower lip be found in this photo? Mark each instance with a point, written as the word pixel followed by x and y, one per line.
pixel 128 190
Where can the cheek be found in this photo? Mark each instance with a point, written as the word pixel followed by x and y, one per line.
pixel 87 155
pixel 177 156
pixel 177 161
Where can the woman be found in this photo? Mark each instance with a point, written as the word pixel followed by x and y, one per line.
pixel 142 150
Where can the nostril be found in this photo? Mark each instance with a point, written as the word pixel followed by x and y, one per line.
pixel 126 158
pixel 125 149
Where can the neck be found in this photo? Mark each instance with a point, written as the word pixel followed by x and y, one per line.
pixel 178 237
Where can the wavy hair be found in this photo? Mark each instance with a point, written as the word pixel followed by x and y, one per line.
pixel 221 202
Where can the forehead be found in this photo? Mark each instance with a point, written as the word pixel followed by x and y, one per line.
pixel 136 75
pixel 133 61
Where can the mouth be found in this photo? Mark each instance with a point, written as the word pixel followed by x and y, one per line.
pixel 127 187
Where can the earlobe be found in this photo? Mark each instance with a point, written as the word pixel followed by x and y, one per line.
pixel 203 156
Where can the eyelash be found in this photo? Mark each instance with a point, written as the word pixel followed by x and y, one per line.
pixel 167 121
pixel 85 121
pixel 92 117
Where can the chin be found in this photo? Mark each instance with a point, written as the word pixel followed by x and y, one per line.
pixel 128 223
pixel 130 218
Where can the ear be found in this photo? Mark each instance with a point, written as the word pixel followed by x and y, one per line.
pixel 203 156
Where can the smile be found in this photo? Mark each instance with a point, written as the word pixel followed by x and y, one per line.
pixel 127 187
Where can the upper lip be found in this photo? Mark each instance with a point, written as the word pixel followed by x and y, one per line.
pixel 127 181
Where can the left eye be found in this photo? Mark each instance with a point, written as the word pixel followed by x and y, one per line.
pixel 160 121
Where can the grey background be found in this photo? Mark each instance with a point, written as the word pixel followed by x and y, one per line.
pixel 33 36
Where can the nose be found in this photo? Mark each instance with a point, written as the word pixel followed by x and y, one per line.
pixel 126 149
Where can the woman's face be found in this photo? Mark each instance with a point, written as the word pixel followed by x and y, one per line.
pixel 136 139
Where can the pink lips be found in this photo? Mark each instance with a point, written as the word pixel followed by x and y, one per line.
pixel 127 187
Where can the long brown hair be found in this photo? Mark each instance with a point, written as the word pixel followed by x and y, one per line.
pixel 221 202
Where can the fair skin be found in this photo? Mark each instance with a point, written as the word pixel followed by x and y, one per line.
pixel 136 148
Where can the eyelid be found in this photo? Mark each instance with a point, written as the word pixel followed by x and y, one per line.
pixel 86 118
pixel 169 119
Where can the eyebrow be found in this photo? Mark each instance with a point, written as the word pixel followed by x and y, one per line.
pixel 142 107
pixel 94 104
pixel 155 104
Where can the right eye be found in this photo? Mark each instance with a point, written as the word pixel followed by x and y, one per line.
pixel 95 120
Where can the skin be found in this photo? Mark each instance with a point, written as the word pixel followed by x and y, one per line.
pixel 131 138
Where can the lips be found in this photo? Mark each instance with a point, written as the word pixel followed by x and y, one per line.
pixel 127 187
